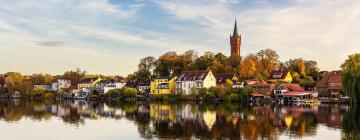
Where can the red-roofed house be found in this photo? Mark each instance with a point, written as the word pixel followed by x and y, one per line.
pixel 262 87
pixel 293 92
pixel 330 84
pixel 283 75
pixel 198 79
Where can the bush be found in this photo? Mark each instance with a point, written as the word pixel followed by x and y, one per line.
pixel 38 92
pixel 233 97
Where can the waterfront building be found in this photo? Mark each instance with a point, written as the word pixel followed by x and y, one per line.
pixel 163 85
pixel 143 86
pixel 88 83
pixel 330 84
pixel 261 87
pixel 194 79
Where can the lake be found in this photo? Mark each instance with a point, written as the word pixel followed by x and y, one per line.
pixel 95 120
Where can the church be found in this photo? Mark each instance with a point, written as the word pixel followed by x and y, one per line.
pixel 235 42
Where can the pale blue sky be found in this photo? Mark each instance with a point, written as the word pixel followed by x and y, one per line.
pixel 109 37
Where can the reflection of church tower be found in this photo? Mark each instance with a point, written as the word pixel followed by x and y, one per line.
pixel 235 42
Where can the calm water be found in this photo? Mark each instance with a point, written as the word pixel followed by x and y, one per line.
pixel 55 120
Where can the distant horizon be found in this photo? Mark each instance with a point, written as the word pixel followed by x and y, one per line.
pixel 109 37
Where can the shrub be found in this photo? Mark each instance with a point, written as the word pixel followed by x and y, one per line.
pixel 37 92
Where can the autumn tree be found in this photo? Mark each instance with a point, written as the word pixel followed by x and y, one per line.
pixel 248 69
pixel 74 76
pixel 268 60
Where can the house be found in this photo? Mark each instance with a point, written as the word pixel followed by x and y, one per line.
pixel 283 75
pixel 330 84
pixel 113 85
pixel 262 87
pixel 143 86
pixel 88 83
pixel 287 87
pixel 222 77
pixel 163 85
pixel 60 84
pixel 197 79
pixel 293 92
pixel 43 87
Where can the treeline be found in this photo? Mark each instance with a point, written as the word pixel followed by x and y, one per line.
pixel 15 81
pixel 253 66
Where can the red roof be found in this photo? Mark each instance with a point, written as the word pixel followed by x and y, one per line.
pixel 257 95
pixel 193 75
pixel 279 74
pixel 297 93
pixel 222 77
pixel 333 77
pixel 258 84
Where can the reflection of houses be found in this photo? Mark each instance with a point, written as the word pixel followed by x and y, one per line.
pixel 330 84
pixel 209 118
pixel 161 112
pixel 163 85
pixel 194 79
pixel 283 75
pixel 222 77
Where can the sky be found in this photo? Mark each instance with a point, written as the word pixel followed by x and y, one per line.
pixel 110 36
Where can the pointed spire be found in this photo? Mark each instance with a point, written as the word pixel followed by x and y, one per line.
pixel 235 33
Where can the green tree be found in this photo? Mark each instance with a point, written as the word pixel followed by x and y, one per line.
pixel 351 77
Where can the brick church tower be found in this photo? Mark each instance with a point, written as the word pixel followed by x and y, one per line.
pixel 235 42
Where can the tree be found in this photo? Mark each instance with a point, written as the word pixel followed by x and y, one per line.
pixel 268 60
pixel 48 79
pixel 14 82
pixel 38 92
pixel 74 76
pixel 351 77
pixel 248 69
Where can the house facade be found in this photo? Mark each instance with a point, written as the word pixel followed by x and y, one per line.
pixel 262 87
pixel 330 84
pixel 143 86
pixel 60 84
pixel 163 85
pixel 88 83
pixel 283 75
pixel 196 79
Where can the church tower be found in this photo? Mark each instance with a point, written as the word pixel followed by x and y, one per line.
pixel 235 42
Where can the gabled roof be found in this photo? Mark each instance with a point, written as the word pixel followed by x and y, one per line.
pixel 193 75
pixel 258 84
pixel 292 87
pixel 279 74
pixel 222 77
pixel 332 77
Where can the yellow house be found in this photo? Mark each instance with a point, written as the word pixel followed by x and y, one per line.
pixel 281 75
pixel 88 83
pixel 163 85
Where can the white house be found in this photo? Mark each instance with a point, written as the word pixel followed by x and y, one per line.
pixel 197 79
pixel 114 85
pixel 60 84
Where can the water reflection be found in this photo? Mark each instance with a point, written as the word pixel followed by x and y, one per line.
pixel 190 120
